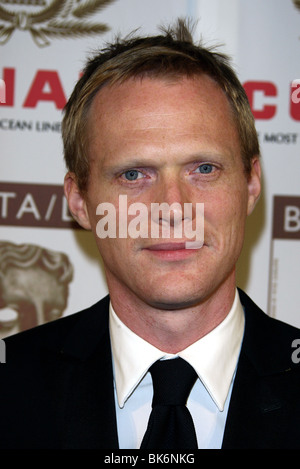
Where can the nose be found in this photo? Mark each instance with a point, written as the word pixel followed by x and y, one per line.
pixel 168 210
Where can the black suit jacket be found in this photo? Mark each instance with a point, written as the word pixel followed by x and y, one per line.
pixel 56 386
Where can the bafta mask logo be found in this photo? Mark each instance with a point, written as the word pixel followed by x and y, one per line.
pixel 45 19
pixel 34 284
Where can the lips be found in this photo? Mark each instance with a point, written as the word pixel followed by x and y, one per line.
pixel 170 252
pixel 167 247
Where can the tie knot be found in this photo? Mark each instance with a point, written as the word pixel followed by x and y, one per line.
pixel 172 381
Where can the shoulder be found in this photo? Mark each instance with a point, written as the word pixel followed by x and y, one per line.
pixel 37 378
pixel 268 341
pixel 254 316
pixel 55 334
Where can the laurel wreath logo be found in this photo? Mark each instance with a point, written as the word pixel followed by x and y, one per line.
pixel 59 18
pixel 297 4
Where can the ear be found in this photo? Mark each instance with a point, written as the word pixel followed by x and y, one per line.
pixel 254 184
pixel 76 201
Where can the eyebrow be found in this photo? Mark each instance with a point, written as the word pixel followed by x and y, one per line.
pixel 150 163
pixel 135 163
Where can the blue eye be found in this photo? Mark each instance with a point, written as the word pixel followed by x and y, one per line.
pixel 131 175
pixel 205 168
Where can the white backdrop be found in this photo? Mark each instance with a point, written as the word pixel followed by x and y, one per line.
pixel 40 67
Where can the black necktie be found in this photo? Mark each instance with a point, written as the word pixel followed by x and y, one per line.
pixel 170 424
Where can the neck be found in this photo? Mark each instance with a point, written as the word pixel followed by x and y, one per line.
pixel 172 330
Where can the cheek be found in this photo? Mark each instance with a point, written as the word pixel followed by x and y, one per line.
pixel 115 251
pixel 225 212
pixel 101 205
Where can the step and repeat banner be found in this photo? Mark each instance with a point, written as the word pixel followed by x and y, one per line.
pixel 49 267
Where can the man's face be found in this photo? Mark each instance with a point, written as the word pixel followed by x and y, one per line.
pixel 159 141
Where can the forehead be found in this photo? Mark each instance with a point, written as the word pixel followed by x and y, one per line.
pixel 165 110
pixel 146 93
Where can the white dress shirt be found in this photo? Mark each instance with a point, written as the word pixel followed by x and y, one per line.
pixel 214 357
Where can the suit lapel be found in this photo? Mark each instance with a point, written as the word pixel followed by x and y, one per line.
pixel 86 383
pixel 259 415
pixel 248 420
pixel 263 390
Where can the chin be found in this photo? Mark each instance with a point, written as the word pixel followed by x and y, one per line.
pixel 173 302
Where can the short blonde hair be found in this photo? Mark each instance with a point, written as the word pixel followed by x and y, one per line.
pixel 172 54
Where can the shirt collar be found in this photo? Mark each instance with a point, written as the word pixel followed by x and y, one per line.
pixel 214 356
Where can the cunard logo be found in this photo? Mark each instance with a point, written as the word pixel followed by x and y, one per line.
pixel 47 19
